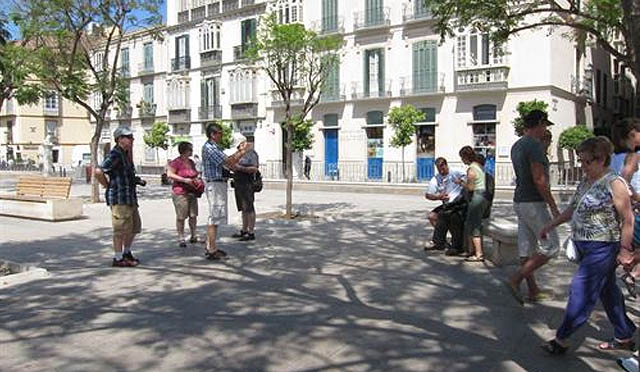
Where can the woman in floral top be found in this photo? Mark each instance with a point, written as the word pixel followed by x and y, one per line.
pixel 602 228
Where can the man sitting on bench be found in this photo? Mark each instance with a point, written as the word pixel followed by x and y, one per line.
pixel 450 215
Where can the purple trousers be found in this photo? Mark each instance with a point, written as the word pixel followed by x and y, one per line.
pixel 596 279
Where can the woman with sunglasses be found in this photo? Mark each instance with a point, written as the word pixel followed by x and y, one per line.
pixel 601 228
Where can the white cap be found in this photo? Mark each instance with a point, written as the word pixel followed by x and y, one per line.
pixel 238 138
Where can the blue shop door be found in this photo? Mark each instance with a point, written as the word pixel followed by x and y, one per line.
pixel 374 168
pixel 331 153
pixel 425 152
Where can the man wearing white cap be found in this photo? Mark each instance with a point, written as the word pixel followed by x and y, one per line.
pixel 243 189
pixel 213 160
pixel 121 196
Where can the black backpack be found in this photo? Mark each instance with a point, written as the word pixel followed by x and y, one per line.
pixel 489 192
pixel 256 181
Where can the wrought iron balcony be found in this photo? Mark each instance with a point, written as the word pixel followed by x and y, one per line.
pixel 421 84
pixel 145 68
pixel 146 109
pixel 210 112
pixel 199 13
pixel 239 52
pixel 124 112
pixel 482 78
pixel 181 63
pixel 244 111
pixel 371 18
pixel 213 9
pixel 415 12
pixel 360 91
pixel 229 5
pixel 210 58
pixel 333 93
pixel 183 17
pixel 248 2
pixel 329 25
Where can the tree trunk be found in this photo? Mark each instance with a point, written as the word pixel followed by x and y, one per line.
pixel 403 177
pixel 288 213
pixel 95 191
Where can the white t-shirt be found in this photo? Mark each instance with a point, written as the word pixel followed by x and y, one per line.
pixel 446 184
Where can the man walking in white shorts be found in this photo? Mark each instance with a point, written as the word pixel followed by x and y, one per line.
pixel 532 201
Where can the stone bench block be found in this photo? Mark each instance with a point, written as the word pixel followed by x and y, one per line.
pixel 504 236
pixel 50 209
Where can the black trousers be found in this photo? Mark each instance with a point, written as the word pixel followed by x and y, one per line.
pixel 450 219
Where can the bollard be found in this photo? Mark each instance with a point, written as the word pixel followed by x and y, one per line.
pixel 389 176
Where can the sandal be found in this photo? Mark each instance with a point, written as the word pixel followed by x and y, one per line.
pixel 614 344
pixel 182 244
pixel 474 259
pixel 553 347
pixel 215 255
pixel 195 239
pixel 541 296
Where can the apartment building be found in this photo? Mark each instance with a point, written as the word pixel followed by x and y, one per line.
pixel 23 129
pixel 467 87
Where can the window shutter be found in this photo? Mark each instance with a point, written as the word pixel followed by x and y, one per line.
pixel 431 56
pixel 204 99
pixel 186 46
pixel 367 55
pixel 418 67
pixel 381 86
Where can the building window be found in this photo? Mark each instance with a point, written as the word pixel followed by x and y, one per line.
pixel 124 63
pixel 329 15
pixel 98 61
pixel 178 94
pixel 9 131
pixel 248 33
pixel 462 51
pixel 51 101
pixel 477 50
pixel 51 128
pixel 429 114
pixel 330 120
pixel 484 134
pixel 209 37
pixel 148 56
pixel 147 94
pixel 289 11
pixel 243 87
pixel 374 72
pixel 425 66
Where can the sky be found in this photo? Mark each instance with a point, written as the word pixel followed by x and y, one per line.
pixel 15 33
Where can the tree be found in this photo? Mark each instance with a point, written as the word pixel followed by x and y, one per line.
pixel 613 24
pixel 570 138
pixel 158 137
pixel 523 108
pixel 77 44
pixel 302 135
pixel 298 62
pixel 403 119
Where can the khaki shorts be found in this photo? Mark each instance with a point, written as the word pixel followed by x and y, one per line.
pixel 532 216
pixel 217 198
pixel 125 219
pixel 185 205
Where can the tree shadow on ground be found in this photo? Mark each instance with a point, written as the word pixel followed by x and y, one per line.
pixel 349 291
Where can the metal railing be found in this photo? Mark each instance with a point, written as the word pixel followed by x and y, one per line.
pixel 211 58
pixel 239 52
pixel 248 2
pixel 183 17
pixel 374 17
pixel 213 9
pixel 180 63
pixel 229 5
pixel 481 78
pixel 360 91
pixel 333 94
pixel 561 174
pixel 147 109
pixel 210 112
pixel 145 68
pixel 414 12
pixel 329 25
pixel 423 83
pixel 244 111
pixel 199 13
pixel 124 112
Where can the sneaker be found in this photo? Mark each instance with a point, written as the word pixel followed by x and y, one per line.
pixel 248 236
pixel 215 255
pixel 182 244
pixel 239 234
pixel 431 246
pixel 123 263
pixel 129 257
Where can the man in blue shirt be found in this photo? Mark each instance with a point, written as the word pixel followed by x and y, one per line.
pixel 448 216
pixel 121 196
pixel 213 160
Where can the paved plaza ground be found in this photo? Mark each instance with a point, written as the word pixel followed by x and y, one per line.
pixel 347 289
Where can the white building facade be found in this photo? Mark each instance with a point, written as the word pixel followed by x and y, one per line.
pixel 467 87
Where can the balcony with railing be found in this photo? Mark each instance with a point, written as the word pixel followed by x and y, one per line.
pixel 360 91
pixel 333 93
pixel 125 72
pixel 422 84
pixel 213 9
pixel 415 12
pixel 482 78
pixel 210 112
pixel 371 18
pixel 329 25
pixel 582 87
pixel 183 17
pixel 244 111
pixel 211 58
pixel 248 2
pixel 199 13
pixel 239 52
pixel 230 5
pixel 124 112
pixel 181 63
pixel 147 109
pixel 145 68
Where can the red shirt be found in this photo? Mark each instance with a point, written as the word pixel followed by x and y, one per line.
pixel 183 168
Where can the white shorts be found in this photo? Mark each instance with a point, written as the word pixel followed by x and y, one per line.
pixel 217 198
pixel 532 217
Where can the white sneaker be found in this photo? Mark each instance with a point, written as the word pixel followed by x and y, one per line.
pixel 629 364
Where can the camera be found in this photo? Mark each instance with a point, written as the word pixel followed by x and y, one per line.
pixel 139 181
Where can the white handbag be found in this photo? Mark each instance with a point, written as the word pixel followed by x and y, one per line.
pixel 571 251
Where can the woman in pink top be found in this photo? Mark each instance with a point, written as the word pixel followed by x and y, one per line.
pixel 182 170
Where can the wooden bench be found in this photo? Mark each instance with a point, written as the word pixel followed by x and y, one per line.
pixel 504 234
pixel 45 198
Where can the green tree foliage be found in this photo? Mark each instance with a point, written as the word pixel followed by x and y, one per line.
pixel 158 137
pixel 403 119
pixel 523 109
pixel 302 135
pixel 570 138
pixel 298 62
pixel 601 20
pixel 227 135
pixel 77 45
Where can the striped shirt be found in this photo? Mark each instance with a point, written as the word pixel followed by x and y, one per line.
pixel 212 160
pixel 122 173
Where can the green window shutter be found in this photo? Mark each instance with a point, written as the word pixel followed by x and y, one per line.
pixel 418 66
pixel 381 86
pixel 431 49
pixel 203 94
pixel 243 34
pixel 186 46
